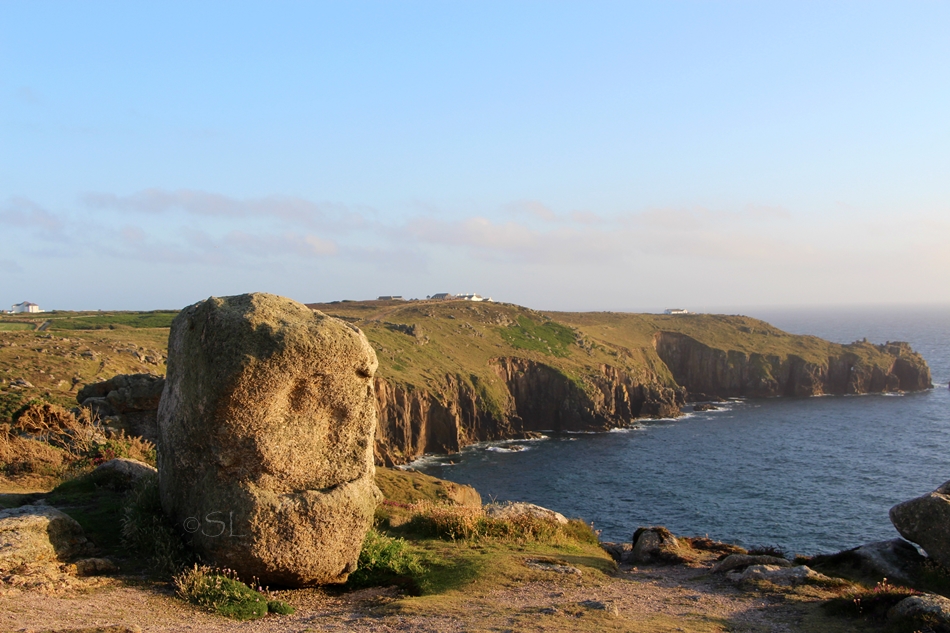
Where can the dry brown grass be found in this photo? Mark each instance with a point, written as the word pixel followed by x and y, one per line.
pixel 20 456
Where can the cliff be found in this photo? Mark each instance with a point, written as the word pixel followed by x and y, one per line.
pixel 454 373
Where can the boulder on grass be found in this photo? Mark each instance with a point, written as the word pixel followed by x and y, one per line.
pixel 37 534
pixel 514 510
pixel 266 431
pixel 926 521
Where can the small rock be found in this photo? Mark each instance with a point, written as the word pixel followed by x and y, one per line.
pixel 94 566
pixel 620 552
pixel 559 568
pixel 21 382
pixel 738 561
pixel 597 605
pixel 132 469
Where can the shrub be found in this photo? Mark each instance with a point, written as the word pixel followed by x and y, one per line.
pixel 383 561
pixel 471 523
pixel 147 532
pixel 22 456
pixel 222 592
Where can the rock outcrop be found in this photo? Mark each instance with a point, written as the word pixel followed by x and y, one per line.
pixel 708 370
pixel 133 397
pixel 655 545
pixel 266 438
pixel 36 534
pixel 897 560
pixel 926 521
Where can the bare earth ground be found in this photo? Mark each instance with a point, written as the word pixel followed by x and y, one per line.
pixel 647 599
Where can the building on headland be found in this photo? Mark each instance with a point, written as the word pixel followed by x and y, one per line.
pixel 448 296
pixel 676 311
pixel 390 298
pixel 26 306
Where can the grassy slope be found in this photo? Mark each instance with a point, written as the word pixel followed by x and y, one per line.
pixel 53 361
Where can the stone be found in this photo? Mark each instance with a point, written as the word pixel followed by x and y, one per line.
pixel 518 509
pixel 620 552
pixel 94 567
pixel 738 561
pixel 126 392
pixel 38 533
pixel 926 521
pixel 131 469
pixel 266 431
pixel 784 576
pixel 653 545
pixel 925 607
pixel 133 397
pixel 897 560
pixel 553 566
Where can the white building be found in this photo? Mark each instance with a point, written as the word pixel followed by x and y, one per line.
pixel 473 297
pixel 26 306
pixel 676 311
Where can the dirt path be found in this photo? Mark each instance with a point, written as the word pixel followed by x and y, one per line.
pixel 650 599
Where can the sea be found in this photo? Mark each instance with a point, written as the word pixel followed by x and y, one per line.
pixel 807 475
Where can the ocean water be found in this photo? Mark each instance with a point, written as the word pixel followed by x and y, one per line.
pixel 810 475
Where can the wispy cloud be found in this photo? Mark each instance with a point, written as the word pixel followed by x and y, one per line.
pixel 24 213
pixel 10 267
pixel 292 210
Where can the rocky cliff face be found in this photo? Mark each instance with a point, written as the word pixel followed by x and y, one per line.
pixel 703 369
pixel 414 421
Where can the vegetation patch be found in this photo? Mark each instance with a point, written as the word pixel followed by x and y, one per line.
pixel 387 561
pixel 869 604
pixel 221 591
pixel 550 338
pixel 147 532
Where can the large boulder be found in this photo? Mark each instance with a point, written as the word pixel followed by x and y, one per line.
pixel 36 534
pixel 266 438
pixel 926 521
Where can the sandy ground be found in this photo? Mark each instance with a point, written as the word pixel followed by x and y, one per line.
pixel 648 599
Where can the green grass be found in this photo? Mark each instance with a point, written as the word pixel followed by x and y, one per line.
pixel 112 320
pixel 384 561
pixel 549 338
pixel 14 327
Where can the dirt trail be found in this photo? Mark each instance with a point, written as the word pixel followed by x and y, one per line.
pixel 649 599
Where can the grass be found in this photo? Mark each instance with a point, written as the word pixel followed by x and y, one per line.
pixel 548 337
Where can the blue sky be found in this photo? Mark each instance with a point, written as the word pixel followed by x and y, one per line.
pixel 585 155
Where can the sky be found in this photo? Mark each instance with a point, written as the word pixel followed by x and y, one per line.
pixel 560 155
